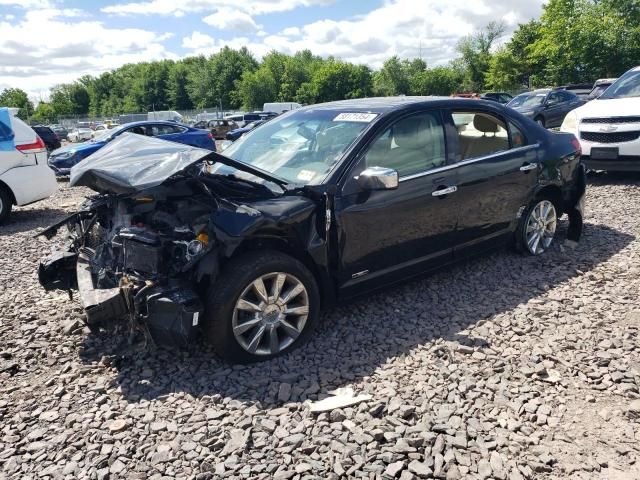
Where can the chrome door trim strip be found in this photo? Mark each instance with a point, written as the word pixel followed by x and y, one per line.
pixel 467 162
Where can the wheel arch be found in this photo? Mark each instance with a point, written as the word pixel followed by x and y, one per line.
pixel 553 193
pixel 5 187
pixel 283 245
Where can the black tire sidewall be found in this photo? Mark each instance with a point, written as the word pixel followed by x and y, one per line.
pixel 234 278
pixel 5 204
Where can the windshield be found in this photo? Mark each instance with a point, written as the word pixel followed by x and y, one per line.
pixel 627 86
pixel 301 147
pixel 528 100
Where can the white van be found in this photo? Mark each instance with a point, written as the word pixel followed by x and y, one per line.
pixel 25 176
pixel 171 115
pixel 279 107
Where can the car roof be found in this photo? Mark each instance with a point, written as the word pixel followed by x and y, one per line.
pixel 381 104
pixel 142 123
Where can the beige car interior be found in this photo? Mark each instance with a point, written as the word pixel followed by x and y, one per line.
pixel 482 136
pixel 412 145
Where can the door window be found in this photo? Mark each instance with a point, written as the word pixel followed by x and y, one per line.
pixel 164 129
pixel 554 98
pixel 479 134
pixel 516 136
pixel 411 145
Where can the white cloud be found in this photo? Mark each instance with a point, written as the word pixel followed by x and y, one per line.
pixel 398 28
pixel 26 4
pixel 50 46
pixel 231 19
pixel 198 41
pixel 170 7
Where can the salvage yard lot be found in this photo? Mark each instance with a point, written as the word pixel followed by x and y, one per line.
pixel 504 367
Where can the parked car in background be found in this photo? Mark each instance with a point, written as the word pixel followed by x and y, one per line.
pixel 242 119
pixel 24 175
pixel 500 97
pixel 365 193
pixel 582 90
pixel 546 107
pixel 233 135
pixel 60 131
pixel 80 134
pixel 609 127
pixel 599 87
pixel 63 159
pixel 218 128
pixel 48 136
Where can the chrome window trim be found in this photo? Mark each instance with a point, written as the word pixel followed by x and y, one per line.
pixel 467 162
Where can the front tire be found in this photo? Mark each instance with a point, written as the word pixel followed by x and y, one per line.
pixel 537 227
pixel 264 304
pixel 5 204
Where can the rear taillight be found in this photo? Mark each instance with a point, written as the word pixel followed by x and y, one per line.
pixel 37 145
pixel 576 144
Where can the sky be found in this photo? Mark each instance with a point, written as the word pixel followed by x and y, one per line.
pixel 47 42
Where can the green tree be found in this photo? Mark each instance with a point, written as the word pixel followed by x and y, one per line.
pixel 475 54
pixel 17 98
pixel 177 93
pixel 44 113
pixel 436 81
pixel 257 88
pixel 70 99
pixel 337 80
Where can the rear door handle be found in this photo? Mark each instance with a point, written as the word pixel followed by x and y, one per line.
pixel 444 191
pixel 528 166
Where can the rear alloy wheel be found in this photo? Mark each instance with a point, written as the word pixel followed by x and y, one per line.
pixel 5 204
pixel 263 305
pixel 539 227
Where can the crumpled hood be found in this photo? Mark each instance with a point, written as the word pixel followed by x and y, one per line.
pixel 132 163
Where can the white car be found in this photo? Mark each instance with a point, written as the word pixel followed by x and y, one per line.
pixel 609 127
pixel 25 176
pixel 80 135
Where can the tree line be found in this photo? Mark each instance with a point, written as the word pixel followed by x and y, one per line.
pixel 573 41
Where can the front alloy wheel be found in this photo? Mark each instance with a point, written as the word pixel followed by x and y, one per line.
pixel 270 314
pixel 264 304
pixel 540 227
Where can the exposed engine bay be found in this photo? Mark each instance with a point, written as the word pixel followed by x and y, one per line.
pixel 147 253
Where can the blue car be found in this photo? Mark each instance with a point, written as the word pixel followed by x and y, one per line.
pixel 62 159
pixel 233 135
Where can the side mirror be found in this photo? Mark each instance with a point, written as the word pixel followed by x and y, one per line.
pixel 378 178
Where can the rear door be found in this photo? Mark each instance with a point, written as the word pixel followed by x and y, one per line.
pixel 496 174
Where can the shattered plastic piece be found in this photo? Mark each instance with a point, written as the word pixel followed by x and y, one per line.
pixel 342 397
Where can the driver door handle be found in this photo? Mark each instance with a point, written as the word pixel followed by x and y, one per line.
pixel 444 191
pixel 528 166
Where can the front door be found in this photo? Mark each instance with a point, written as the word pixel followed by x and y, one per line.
pixel 497 172
pixel 387 235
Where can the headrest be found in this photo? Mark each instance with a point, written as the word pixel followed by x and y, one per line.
pixel 484 124
pixel 412 133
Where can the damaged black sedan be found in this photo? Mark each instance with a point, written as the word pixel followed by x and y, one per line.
pixel 314 207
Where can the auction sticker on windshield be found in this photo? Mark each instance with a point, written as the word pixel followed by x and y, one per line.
pixel 355 117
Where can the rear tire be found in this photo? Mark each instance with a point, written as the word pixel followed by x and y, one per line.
pixel 537 227
pixel 5 204
pixel 257 294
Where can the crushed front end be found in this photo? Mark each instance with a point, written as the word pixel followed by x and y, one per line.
pixel 134 257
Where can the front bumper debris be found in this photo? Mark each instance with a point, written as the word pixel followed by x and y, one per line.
pixel 169 313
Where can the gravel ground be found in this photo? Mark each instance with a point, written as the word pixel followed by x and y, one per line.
pixel 507 367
